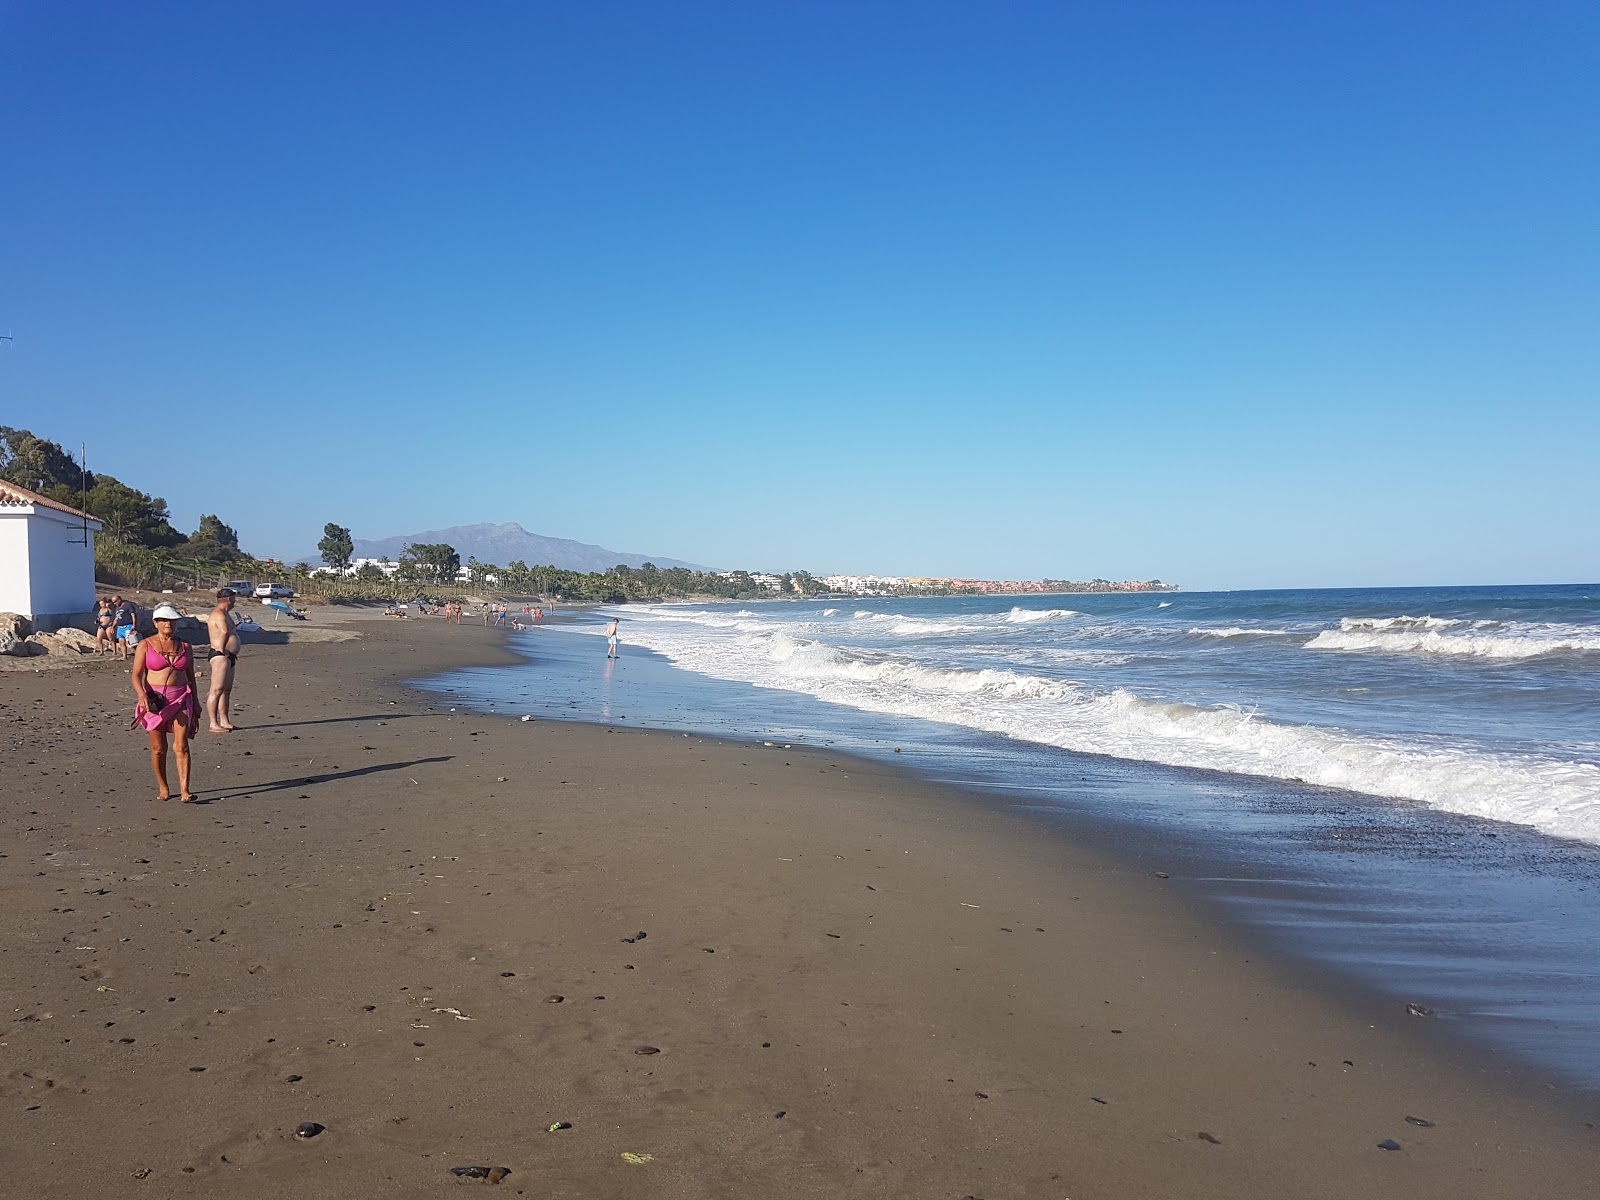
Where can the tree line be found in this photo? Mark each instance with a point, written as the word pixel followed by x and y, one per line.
pixel 137 545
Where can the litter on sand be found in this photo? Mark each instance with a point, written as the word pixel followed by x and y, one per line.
pixel 629 1157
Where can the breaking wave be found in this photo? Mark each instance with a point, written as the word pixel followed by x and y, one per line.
pixel 1556 796
pixel 1508 641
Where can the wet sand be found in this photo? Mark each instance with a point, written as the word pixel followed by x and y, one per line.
pixel 407 924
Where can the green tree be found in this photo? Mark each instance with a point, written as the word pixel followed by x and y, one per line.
pixel 127 515
pixel 213 541
pixel 336 546
pixel 37 464
pixel 429 562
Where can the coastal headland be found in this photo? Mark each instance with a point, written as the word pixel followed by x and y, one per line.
pixel 628 964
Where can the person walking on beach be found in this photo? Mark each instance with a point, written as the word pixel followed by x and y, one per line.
pixel 124 616
pixel 224 657
pixel 164 689
pixel 612 643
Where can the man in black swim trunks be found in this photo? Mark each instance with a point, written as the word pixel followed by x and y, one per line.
pixel 224 654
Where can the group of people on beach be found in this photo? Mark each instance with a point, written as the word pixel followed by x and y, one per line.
pixel 166 692
pixel 115 631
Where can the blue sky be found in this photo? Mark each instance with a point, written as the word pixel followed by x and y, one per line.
pixel 1230 294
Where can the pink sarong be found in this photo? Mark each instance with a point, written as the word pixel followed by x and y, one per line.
pixel 176 698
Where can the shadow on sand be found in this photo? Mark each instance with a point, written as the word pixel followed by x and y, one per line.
pixel 240 791
pixel 340 720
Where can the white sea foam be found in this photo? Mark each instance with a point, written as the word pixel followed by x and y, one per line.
pixel 1031 616
pixel 1509 640
pixel 1165 604
pixel 1559 797
pixel 830 612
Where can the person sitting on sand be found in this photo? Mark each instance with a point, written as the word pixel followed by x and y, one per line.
pixel 224 657
pixel 164 688
pixel 104 629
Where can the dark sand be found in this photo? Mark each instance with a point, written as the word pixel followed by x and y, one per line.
pixel 859 984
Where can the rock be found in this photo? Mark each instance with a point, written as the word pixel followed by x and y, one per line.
pixel 54 644
pixel 1419 1122
pixel 1388 1144
pixel 647 1050
pixel 1206 1137
pixel 1419 1010
pixel 17 625
pixel 308 1129
pixel 76 637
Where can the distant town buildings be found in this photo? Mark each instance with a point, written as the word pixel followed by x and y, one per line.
pixel 895 585
pixel 867 585
pixel 764 580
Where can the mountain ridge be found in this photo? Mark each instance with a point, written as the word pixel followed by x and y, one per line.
pixel 508 542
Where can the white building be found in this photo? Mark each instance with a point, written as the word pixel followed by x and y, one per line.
pixel 865 585
pixel 46 559
pixel 383 564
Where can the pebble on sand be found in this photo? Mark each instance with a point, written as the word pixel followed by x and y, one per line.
pixel 308 1129
pixel 647 1049
pixel 1388 1144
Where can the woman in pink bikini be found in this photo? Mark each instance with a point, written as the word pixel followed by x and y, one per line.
pixel 164 686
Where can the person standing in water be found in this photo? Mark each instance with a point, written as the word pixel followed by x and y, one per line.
pixel 611 638
pixel 224 657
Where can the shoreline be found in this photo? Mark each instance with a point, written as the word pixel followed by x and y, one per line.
pixel 1263 892
pixel 397 850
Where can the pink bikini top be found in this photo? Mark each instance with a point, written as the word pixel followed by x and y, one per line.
pixel 154 660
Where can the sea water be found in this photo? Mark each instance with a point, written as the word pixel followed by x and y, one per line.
pixel 1401 785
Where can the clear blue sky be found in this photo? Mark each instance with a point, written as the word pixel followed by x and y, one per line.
pixel 1234 294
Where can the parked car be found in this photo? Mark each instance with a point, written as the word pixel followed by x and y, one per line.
pixel 273 591
pixel 240 587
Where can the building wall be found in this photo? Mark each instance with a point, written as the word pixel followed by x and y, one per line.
pixel 14 563
pixel 60 569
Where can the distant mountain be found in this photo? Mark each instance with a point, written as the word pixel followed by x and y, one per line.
pixel 508 543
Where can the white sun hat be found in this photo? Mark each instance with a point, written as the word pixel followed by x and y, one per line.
pixel 165 612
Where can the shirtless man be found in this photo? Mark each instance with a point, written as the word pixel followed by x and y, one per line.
pixel 224 654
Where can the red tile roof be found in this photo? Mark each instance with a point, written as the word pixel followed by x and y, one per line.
pixel 13 496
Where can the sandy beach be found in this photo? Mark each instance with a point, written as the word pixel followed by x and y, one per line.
pixel 629 964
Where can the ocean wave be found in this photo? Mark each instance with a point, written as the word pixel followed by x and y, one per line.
pixel 1559 797
pixel 1494 640
pixel 830 612
pixel 800 658
pixel 1352 624
pixel 1236 631
pixel 1031 616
